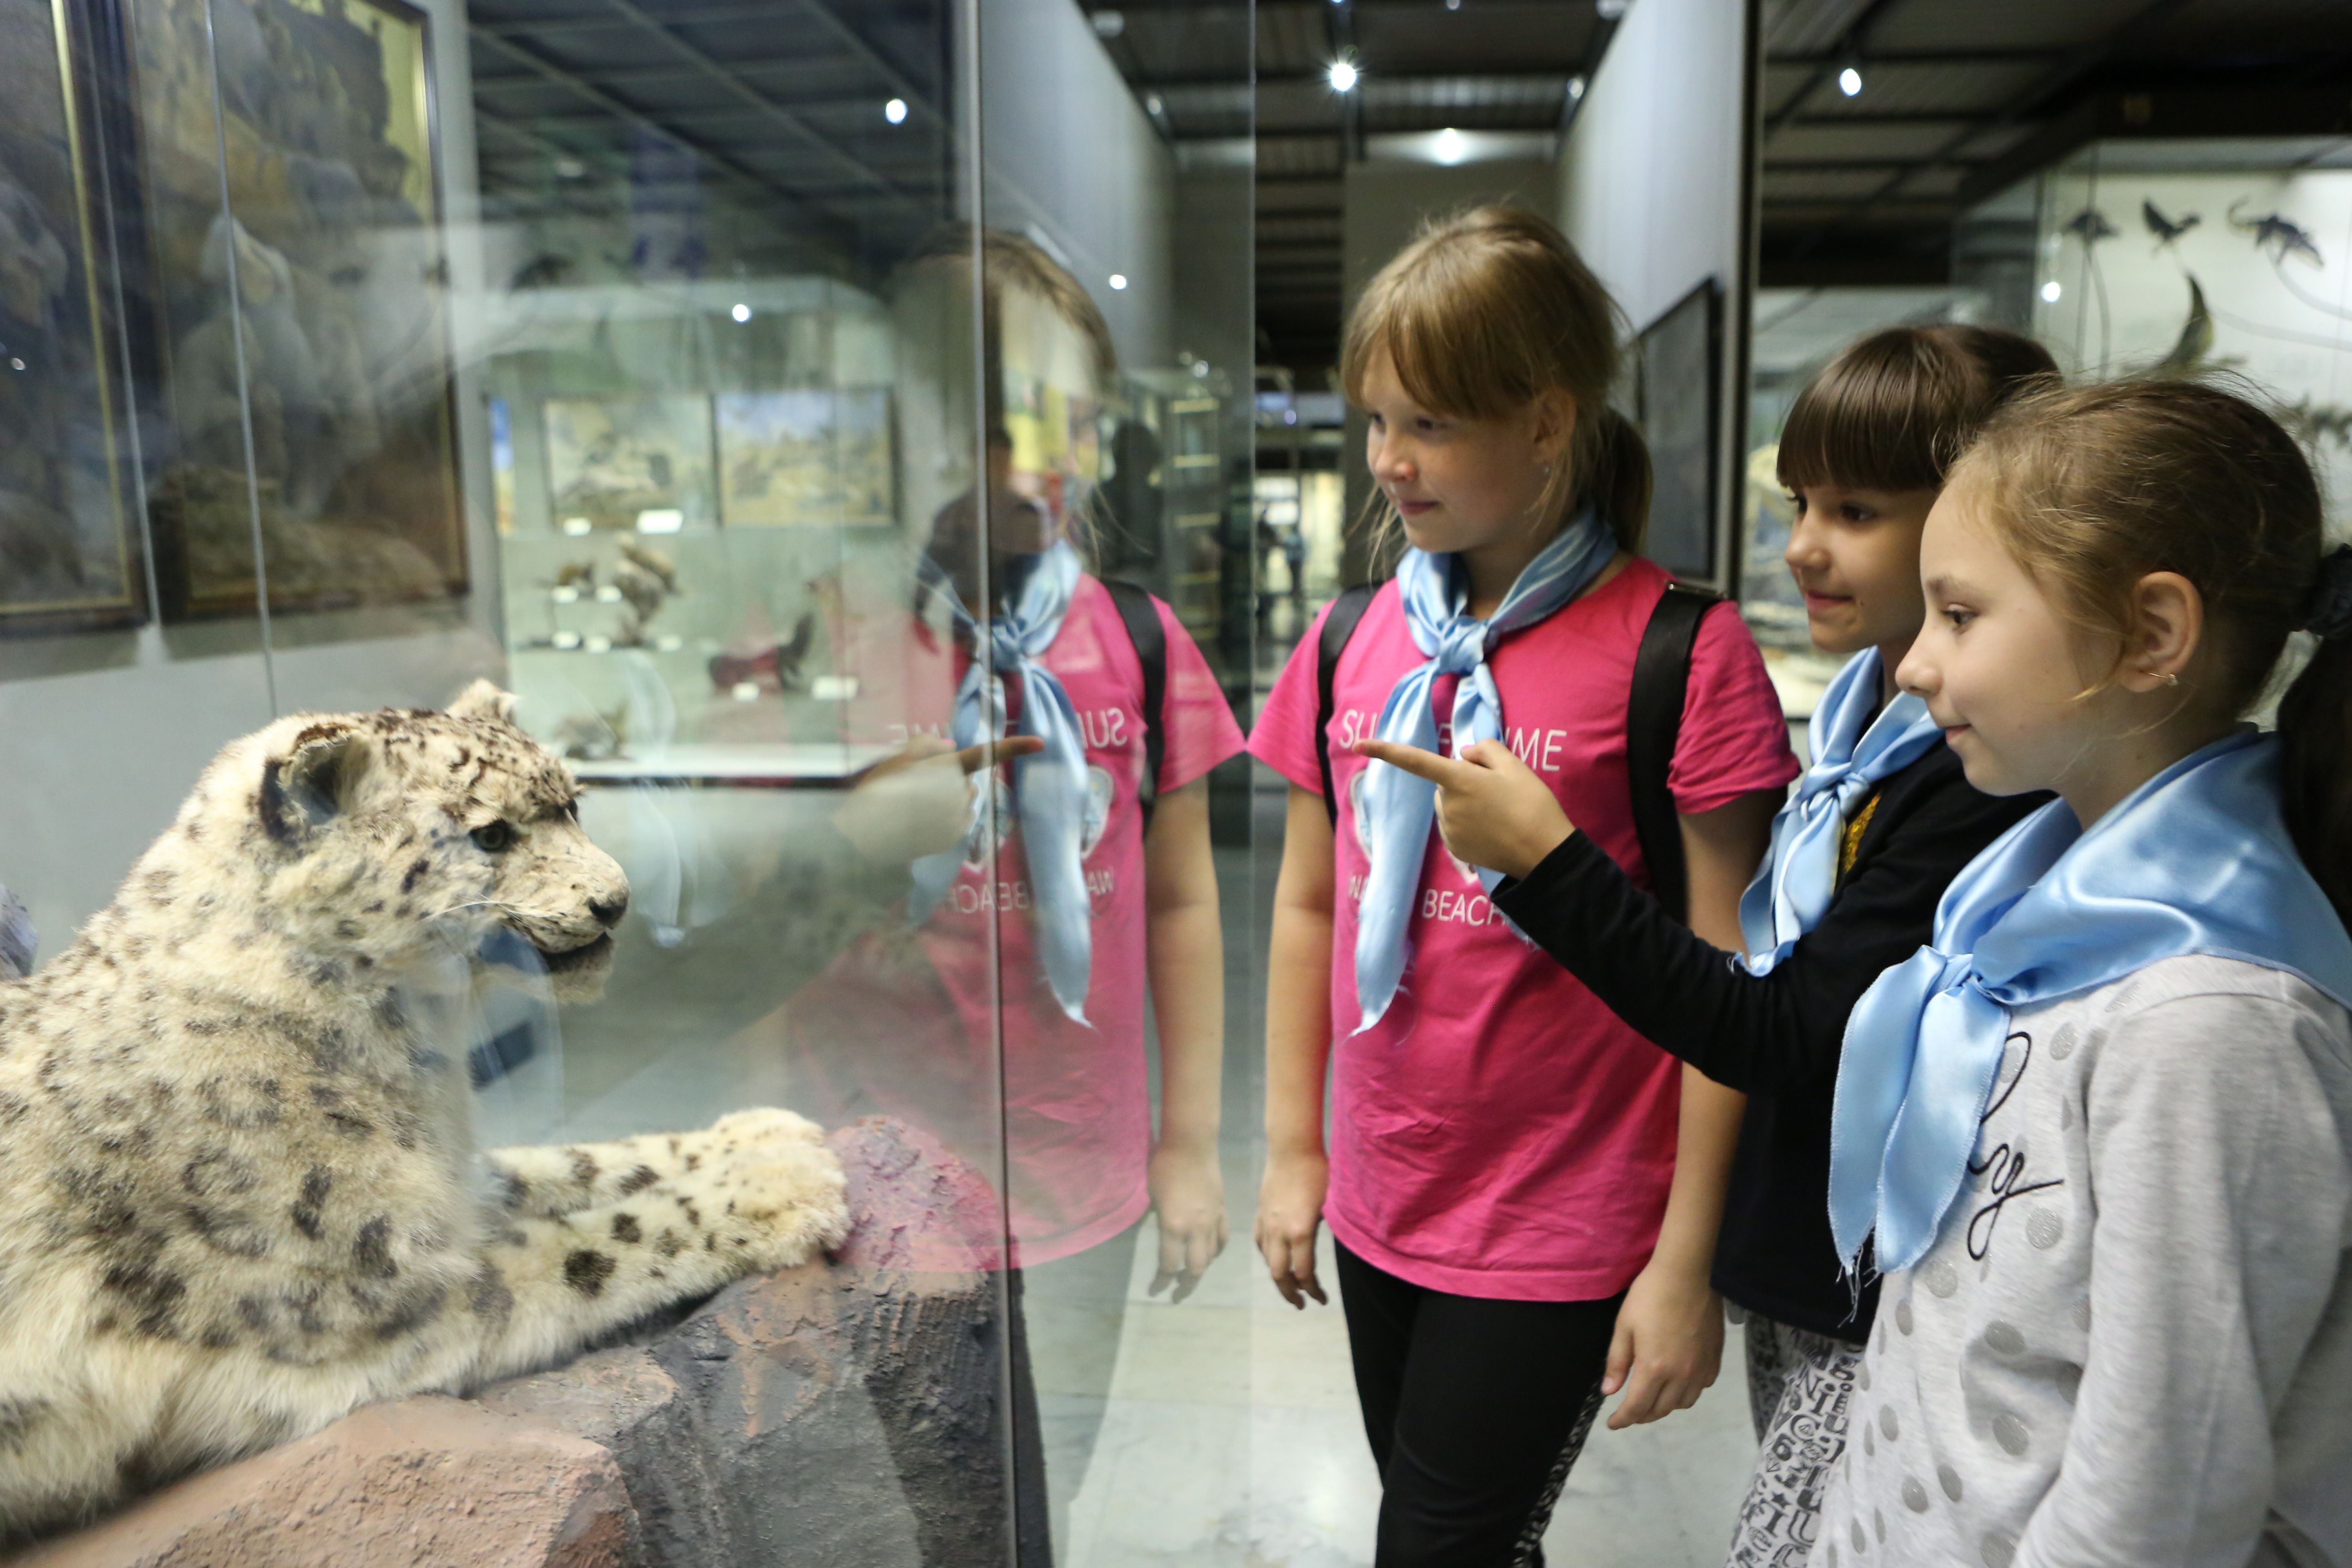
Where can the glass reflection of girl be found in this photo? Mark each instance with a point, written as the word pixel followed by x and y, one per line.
pixel 1034 932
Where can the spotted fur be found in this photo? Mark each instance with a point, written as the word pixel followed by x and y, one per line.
pixel 238 1190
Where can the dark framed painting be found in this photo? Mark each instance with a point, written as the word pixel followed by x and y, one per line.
pixel 1681 385
pixel 305 379
pixel 70 557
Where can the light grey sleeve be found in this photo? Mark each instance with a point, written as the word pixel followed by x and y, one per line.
pixel 2218 1166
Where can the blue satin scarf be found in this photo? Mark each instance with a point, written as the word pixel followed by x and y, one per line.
pixel 1049 787
pixel 2196 860
pixel 1798 878
pixel 1398 808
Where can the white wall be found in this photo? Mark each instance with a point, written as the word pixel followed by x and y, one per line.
pixel 1654 186
pixel 1068 151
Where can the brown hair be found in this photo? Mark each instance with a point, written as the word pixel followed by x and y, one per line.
pixel 2097 487
pixel 1892 410
pixel 1486 311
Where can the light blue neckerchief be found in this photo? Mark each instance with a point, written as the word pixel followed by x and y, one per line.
pixel 1398 807
pixel 1798 878
pixel 2196 860
pixel 1050 788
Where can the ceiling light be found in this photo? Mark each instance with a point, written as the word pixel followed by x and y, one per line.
pixel 895 112
pixel 1576 87
pixel 1453 5
pixel 742 311
pixel 1849 82
pixel 1118 279
pixel 1343 76
pixel 1450 146
pixel 1611 10
pixel 1109 24
pixel 2050 292
pixel 1153 104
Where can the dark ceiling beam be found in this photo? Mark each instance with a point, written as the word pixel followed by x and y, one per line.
pixel 1826 66
pixel 799 211
pixel 1835 62
pixel 2069 72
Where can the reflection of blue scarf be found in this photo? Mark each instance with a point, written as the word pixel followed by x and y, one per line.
pixel 1793 889
pixel 2197 860
pixel 1050 787
pixel 1398 807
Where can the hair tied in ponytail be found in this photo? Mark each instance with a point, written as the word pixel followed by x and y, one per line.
pixel 2327 614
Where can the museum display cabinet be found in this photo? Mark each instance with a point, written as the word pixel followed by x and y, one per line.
pixel 414 1135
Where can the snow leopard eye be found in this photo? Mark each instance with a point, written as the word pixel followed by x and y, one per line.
pixel 495 838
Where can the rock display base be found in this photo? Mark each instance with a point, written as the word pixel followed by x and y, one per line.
pixel 842 1415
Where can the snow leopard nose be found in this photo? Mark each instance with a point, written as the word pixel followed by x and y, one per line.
pixel 608 911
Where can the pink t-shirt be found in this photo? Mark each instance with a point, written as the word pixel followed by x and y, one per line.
pixel 918 1036
pixel 1500 1132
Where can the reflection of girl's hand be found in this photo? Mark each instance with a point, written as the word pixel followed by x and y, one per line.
pixel 1187 1195
pixel 917 802
pixel 1493 809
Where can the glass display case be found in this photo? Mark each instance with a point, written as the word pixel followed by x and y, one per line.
pixel 520 527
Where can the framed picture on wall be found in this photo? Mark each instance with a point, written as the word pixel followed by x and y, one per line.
pixel 70 557
pixel 304 370
pixel 810 455
pixel 1681 380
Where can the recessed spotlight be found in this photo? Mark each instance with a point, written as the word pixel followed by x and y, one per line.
pixel 742 311
pixel 1611 10
pixel 1343 76
pixel 1109 24
pixel 1450 146
pixel 1453 5
pixel 2050 292
pixel 1576 87
pixel 895 112
pixel 1153 104
pixel 1118 279
pixel 570 168
pixel 1849 82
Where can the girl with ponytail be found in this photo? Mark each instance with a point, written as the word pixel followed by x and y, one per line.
pixel 1523 1192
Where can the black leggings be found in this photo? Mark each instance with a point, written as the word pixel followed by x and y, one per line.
pixel 1475 1410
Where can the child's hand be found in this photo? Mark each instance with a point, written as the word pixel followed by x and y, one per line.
pixel 1188 1194
pixel 1290 1213
pixel 1668 1346
pixel 917 802
pixel 1493 809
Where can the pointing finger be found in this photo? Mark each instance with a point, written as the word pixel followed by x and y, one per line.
pixel 1437 770
pixel 988 753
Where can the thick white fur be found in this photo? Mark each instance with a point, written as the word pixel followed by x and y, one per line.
pixel 238 1190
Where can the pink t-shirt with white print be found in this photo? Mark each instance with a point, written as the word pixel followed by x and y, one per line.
pixel 921 1036
pixel 1500 1132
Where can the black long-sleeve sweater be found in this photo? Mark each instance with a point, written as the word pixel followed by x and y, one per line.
pixel 1776 1037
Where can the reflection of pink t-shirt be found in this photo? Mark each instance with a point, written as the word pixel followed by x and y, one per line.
pixel 1077 1118
pixel 1500 1132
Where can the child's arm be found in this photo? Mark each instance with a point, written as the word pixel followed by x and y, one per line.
pixel 1185 951
pixel 1297 1046
pixel 2216 1141
pixel 1669 1340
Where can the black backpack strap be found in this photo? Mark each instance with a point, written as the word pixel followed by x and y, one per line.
pixel 1137 608
pixel 1337 628
pixel 1654 723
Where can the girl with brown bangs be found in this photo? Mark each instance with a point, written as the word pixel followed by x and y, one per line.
pixel 1523 1191
pixel 1875 831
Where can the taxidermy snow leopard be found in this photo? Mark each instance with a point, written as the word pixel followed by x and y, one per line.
pixel 238 1192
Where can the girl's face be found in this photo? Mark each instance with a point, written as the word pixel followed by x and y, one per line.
pixel 1999 668
pixel 1854 554
pixel 1460 484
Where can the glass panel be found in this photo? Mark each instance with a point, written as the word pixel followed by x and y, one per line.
pixel 1117 370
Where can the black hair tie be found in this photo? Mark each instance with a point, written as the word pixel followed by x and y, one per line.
pixel 2328 613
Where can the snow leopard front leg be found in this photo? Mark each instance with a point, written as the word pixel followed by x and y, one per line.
pixel 547 1284
pixel 563 1178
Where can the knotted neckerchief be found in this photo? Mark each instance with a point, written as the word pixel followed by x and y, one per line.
pixel 1793 888
pixel 1049 787
pixel 1398 807
pixel 2196 860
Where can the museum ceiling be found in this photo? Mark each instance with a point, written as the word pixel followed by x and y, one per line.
pixel 783 99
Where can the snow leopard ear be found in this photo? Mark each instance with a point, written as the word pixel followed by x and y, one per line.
pixel 313 784
pixel 484 700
